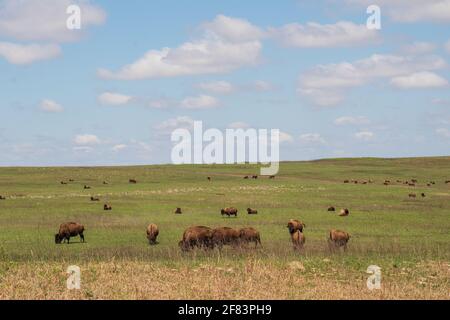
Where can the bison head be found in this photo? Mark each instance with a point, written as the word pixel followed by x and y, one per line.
pixel 58 239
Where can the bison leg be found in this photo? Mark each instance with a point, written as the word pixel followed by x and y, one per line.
pixel 82 237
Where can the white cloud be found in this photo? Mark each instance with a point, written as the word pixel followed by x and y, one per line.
pixel 233 29
pixel 418 48
pixel 114 99
pixel 285 137
pixel 364 135
pixel 215 53
pixel 325 84
pixel 82 149
pixel 238 125
pixel 200 102
pixel 443 132
pixel 218 87
pixel 419 80
pixel 169 125
pixel 349 120
pixel 119 147
pixel 312 138
pixel 262 86
pixel 315 35
pixel 447 46
pixel 412 10
pixel 45 20
pixel 47 105
pixel 26 54
pixel 86 140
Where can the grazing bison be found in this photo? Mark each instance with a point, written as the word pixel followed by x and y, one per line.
pixel 2 198
pixel 331 209
pixel 346 181
pixel 338 239
pixel 152 233
pixel 95 199
pixel 71 180
pixel 248 235
pixel 298 240
pixel 133 181
pixel 62 182
pixel 448 181
pixel 107 207
pixel 209 178
pixel 255 177
pixel 423 195
pixel 178 211
pixel 252 211
pixel 86 187
pixel 246 177
pixel 199 236
pixel 344 213
pixel 67 230
pixel 104 182
pixel 272 177
pixel 412 195
pixel 229 212
pixel 225 236
pixel 294 225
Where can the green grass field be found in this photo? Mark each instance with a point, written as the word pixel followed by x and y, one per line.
pixel 408 238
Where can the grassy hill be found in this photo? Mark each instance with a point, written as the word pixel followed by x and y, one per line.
pixel 408 238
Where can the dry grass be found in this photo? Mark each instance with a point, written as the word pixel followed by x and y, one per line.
pixel 253 279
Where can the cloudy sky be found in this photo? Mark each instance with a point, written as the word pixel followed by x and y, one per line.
pixel 112 92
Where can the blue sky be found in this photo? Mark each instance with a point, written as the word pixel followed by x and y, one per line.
pixel 111 94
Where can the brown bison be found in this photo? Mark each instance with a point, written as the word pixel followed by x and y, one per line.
pixel 86 187
pixel 272 177
pixel 331 209
pixel 2 198
pixel 62 182
pixel 95 199
pixel 133 181
pixel 178 211
pixel 248 235
pixel 423 195
pixel 246 177
pixel 229 212
pixel 338 239
pixel 199 236
pixel 298 240
pixel 255 177
pixel 209 178
pixel 225 236
pixel 107 207
pixel 152 233
pixel 252 211
pixel 346 181
pixel 294 225
pixel 448 181
pixel 412 195
pixel 67 230
pixel 344 213
pixel 104 182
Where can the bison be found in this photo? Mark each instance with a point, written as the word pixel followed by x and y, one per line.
pixel 86 187
pixel 248 235
pixel 178 211
pixel 252 211
pixel 199 236
pixel 272 177
pixel 246 177
pixel 209 178
pixel 298 239
pixel 152 233
pixel 133 181
pixel 294 225
pixel 107 207
pixel 338 239
pixel 346 181
pixel 255 177
pixel 229 212
pixel 344 213
pixel 225 236
pixel 62 182
pixel 95 199
pixel 423 195
pixel 412 195
pixel 2 198
pixel 331 209
pixel 67 230
pixel 104 182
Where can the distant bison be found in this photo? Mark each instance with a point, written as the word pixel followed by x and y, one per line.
pixel 178 211
pixel 255 177
pixel 209 178
pixel 95 199
pixel 252 211
pixel 338 239
pixel 199 236
pixel 86 187
pixel 248 235
pixel 272 177
pixel 104 182
pixel 133 181
pixel 152 233
pixel 62 182
pixel 107 207
pixel 412 195
pixel 229 212
pixel 225 236
pixel 448 181
pixel 344 213
pixel 346 181
pixel 331 209
pixel 294 225
pixel 2 198
pixel 298 239
pixel 67 230
pixel 246 177
pixel 423 195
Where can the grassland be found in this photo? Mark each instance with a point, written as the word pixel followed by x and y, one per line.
pixel 408 238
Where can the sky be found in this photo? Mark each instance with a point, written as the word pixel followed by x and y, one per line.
pixel 112 92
